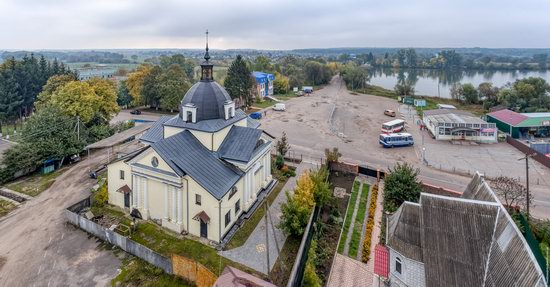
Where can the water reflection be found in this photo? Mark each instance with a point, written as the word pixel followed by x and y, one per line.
pixel 434 82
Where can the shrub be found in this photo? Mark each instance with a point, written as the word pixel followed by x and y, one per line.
pixel 401 184
pixel 101 196
pixel 279 162
pixel 311 279
pixel 295 216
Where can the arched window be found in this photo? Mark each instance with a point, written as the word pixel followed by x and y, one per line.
pixel 398 265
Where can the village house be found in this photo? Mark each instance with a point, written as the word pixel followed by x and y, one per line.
pixel 264 84
pixel 466 241
pixel 200 170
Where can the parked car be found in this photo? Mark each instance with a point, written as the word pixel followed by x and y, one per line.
pixel 135 112
pixel 390 113
pixel 299 93
pixel 279 107
pixel 256 115
pixel 307 89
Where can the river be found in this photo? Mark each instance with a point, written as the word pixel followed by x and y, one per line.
pixel 438 82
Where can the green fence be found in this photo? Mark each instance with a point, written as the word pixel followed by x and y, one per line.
pixel 533 243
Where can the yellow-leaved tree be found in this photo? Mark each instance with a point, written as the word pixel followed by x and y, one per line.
pixel 106 91
pixel 135 81
pixel 76 99
pixel 304 190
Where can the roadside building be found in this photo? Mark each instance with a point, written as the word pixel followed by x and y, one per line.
pixel 86 74
pixel 449 124
pixel 202 170
pixel 264 84
pixel 466 241
pixel 521 125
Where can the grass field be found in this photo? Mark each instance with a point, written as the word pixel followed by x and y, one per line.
pixel 358 225
pixel 268 103
pixel 136 272
pixel 36 183
pixel 6 207
pixel 349 214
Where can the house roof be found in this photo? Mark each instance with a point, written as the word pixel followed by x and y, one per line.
pixel 240 143
pixel 233 277
pixel 186 155
pixel 120 137
pixel 252 123
pixel 213 125
pixel 507 116
pixel 467 241
pixel 534 122
pixel 156 132
pixel 446 112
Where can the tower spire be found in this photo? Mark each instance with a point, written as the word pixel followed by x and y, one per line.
pixel 206 55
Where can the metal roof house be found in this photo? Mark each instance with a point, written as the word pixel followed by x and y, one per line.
pixel 449 124
pixel 465 241
pixel 519 125
pixel 264 83
pixel 202 169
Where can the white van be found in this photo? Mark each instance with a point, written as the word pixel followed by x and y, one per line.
pixel 279 107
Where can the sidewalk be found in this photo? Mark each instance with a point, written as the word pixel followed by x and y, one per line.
pixel 252 253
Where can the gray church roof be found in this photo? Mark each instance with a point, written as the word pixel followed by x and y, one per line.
pixel 156 132
pixel 468 241
pixel 239 144
pixel 209 99
pixel 186 155
pixel 213 125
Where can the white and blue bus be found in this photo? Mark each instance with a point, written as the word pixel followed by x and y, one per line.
pixel 395 140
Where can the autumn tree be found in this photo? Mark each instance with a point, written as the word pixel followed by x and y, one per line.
pixel 280 84
pixel 135 81
pixel 53 83
pixel 173 86
pixel 282 146
pixel 511 191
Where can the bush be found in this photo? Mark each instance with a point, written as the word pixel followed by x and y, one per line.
pixel 279 162
pixel 287 172
pixel 401 184
pixel 311 279
pixel 295 216
pixel 100 196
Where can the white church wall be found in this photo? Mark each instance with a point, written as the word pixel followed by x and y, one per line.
pixel 114 182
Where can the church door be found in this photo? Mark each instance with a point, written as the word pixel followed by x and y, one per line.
pixel 204 229
pixel 127 199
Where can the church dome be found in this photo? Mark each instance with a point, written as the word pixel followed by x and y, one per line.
pixel 208 97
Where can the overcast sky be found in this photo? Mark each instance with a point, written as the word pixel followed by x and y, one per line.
pixel 273 24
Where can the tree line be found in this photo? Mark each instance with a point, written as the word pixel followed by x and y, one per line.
pixel 449 59
pixel 523 95
pixel 22 80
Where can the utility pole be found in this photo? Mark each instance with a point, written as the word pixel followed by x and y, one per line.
pixel 78 127
pixel 527 182
pixel 266 238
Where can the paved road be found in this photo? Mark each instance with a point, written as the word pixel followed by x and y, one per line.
pixel 354 128
pixel 125 115
pixel 40 249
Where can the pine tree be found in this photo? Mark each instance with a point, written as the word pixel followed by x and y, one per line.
pixel 239 82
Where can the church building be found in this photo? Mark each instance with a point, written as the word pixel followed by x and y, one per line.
pixel 200 170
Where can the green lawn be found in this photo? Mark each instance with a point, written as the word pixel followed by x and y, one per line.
pixel 136 272
pixel 268 103
pixel 163 242
pixel 349 214
pixel 246 229
pixel 6 207
pixel 358 226
pixel 283 266
pixel 36 183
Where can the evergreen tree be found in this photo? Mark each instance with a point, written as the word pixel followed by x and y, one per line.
pixel 123 96
pixel 239 82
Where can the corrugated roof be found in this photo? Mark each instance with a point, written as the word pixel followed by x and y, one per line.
pixel 252 123
pixel 455 118
pixel 508 116
pixel 156 132
pixel 186 155
pixel 446 111
pixel 534 122
pixel 120 137
pixel 206 125
pixel 468 241
pixel 239 144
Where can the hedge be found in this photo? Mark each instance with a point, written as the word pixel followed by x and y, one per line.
pixel 370 224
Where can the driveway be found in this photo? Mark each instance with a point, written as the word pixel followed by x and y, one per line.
pixel 40 249
pixel 336 117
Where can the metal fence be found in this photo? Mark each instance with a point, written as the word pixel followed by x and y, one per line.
pixel 529 151
pixel 297 273
pixel 533 244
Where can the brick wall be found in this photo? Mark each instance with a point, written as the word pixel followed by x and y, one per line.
pixel 344 167
pixel 433 189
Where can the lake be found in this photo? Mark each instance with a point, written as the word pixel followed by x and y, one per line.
pixel 435 83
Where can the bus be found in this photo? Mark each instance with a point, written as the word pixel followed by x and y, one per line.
pixel 394 126
pixel 395 140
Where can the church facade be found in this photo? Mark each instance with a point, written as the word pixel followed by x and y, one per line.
pixel 200 170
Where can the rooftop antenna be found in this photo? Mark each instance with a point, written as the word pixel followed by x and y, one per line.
pixel 206 55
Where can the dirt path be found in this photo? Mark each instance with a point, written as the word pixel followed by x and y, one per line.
pixel 40 249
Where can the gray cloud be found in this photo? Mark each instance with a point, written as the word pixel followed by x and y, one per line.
pixel 271 24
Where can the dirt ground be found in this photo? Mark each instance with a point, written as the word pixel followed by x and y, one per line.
pixel 335 117
pixel 40 249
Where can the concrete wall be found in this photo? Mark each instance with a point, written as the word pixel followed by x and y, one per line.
pixel 118 240
pixel 412 272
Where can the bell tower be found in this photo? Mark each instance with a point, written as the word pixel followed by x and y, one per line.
pixel 206 66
